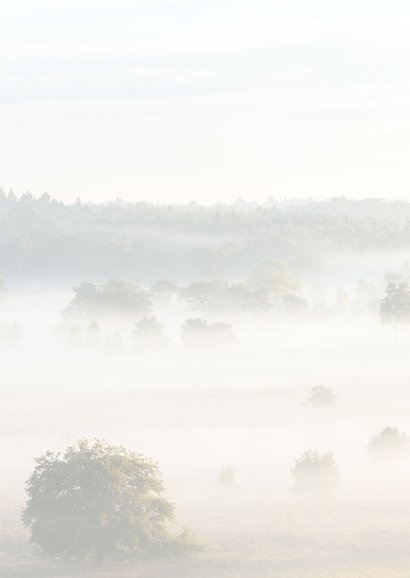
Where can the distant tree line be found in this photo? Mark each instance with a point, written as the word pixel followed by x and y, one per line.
pixel 42 238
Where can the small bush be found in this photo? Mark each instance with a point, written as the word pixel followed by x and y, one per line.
pixel 389 443
pixel 314 472
pixel 321 396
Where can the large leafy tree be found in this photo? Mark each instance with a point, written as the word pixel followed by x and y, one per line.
pixel 97 500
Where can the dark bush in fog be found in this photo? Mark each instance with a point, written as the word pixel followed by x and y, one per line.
pixel 227 476
pixel 149 332
pixel 321 396
pixel 98 500
pixel 315 473
pixel 389 443
pixel 200 332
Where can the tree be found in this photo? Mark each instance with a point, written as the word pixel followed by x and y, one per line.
pixel 389 443
pixel 293 305
pixel 227 476
pixel 314 472
pixel 367 295
pixel 194 331
pixel 97 499
pixel 221 333
pixel 93 334
pixel 165 290
pixel 114 298
pixel 321 396
pixel 275 277
pixel 342 298
pixel 395 306
pixel 149 332
pixel 200 332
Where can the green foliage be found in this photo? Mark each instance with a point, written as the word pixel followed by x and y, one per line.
pixel 144 242
pixel 97 499
pixel 395 306
pixel 113 298
pixel 389 443
pixel 315 473
pixel 218 295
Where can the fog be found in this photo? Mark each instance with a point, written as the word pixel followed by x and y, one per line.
pixel 204 289
pixel 225 415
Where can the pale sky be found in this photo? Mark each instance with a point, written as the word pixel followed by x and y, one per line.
pixel 205 100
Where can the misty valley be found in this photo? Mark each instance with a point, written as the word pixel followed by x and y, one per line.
pixel 204 391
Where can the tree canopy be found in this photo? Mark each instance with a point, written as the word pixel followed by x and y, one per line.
pixel 95 499
pixel 113 298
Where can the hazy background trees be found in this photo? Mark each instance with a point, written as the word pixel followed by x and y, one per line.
pixel 275 246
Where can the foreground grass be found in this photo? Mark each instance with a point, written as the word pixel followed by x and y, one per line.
pixel 216 568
